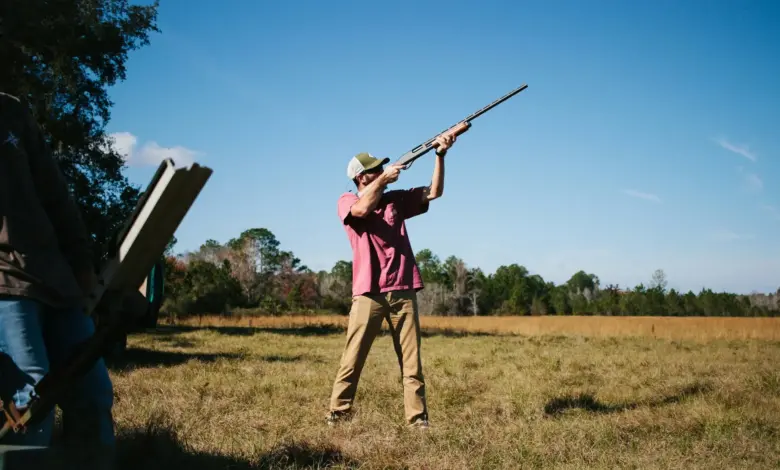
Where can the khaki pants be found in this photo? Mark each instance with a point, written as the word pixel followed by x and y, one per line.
pixel 399 308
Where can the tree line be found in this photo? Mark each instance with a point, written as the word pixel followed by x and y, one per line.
pixel 253 274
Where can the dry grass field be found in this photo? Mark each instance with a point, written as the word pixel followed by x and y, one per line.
pixel 690 328
pixel 541 392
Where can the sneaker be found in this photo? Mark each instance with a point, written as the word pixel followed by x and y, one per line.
pixel 420 424
pixel 335 417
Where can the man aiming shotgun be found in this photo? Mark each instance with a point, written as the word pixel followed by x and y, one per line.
pixel 385 276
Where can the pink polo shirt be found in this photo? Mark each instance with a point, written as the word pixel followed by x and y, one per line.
pixel 382 256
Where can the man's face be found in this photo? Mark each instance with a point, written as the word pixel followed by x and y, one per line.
pixel 368 176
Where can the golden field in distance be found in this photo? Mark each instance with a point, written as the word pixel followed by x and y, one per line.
pixel 691 328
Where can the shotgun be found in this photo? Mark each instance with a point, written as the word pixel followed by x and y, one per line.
pixel 409 157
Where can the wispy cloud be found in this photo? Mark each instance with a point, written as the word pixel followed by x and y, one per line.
pixel 773 211
pixel 728 235
pixel 642 195
pixel 740 149
pixel 751 180
pixel 151 153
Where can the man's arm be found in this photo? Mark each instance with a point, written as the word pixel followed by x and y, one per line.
pixel 58 203
pixel 436 188
pixel 373 192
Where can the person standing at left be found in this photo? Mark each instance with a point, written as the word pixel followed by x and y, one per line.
pixel 46 272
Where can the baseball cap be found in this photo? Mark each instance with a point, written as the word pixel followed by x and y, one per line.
pixel 362 162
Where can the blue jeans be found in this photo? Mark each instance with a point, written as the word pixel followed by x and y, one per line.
pixel 36 337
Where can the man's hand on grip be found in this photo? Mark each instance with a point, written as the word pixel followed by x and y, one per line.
pixel 391 173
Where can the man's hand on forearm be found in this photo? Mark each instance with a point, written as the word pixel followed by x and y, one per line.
pixel 444 142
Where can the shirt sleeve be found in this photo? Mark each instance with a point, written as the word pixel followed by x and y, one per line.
pixel 412 203
pixel 55 197
pixel 346 201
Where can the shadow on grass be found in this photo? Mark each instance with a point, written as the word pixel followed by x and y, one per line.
pixel 278 358
pixel 159 447
pixel 452 333
pixel 177 342
pixel 558 406
pixel 134 358
pixel 138 358
pixel 303 331
pixel 319 330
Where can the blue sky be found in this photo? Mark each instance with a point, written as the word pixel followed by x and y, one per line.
pixel 647 137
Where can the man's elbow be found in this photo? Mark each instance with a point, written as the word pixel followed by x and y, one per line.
pixel 359 212
pixel 433 195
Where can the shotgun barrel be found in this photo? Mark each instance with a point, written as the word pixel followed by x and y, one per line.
pixel 456 129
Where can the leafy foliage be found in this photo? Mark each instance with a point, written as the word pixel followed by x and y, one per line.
pixel 252 271
pixel 60 57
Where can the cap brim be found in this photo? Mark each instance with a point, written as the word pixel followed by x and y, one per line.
pixel 376 164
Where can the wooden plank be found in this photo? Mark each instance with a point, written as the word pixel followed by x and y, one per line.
pixel 167 200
